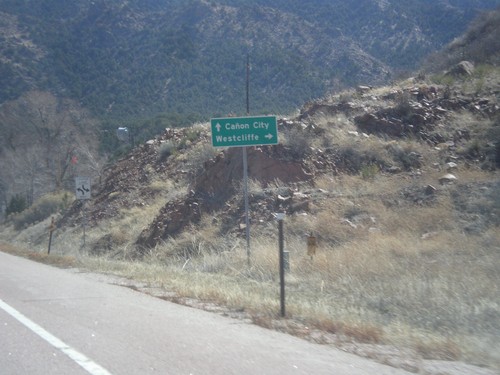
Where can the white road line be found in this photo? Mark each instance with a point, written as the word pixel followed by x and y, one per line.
pixel 90 366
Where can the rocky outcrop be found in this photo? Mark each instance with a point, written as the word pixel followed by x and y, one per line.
pixel 407 117
pixel 224 174
pixel 313 108
pixel 214 186
pixel 214 189
pixel 172 219
pixel 463 68
pixel 419 110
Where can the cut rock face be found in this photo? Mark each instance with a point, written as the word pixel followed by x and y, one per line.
pixel 218 184
pixel 223 174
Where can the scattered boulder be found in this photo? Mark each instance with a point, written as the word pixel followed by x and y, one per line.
pixel 426 93
pixel 430 190
pixel 420 195
pixel 393 169
pixel 313 108
pixel 447 179
pixel 374 123
pixel 450 166
pixel 403 119
pixel 429 235
pixel 463 68
pixel 361 89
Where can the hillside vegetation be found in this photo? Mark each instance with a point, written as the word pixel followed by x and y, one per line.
pixel 137 58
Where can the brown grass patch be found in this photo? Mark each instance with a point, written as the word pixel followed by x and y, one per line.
pixel 363 333
pixel 445 349
pixel 61 261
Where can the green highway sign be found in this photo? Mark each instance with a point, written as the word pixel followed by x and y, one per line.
pixel 244 131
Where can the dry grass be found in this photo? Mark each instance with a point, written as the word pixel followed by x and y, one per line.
pixel 417 281
pixel 438 296
pixel 62 261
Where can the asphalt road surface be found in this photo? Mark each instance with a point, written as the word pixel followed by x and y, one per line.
pixel 55 321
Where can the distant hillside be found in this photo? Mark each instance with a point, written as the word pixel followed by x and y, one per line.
pixel 140 58
pixel 480 44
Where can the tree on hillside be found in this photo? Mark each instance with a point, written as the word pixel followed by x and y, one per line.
pixel 23 172
pixel 41 138
pixel 3 195
pixel 50 120
pixel 95 163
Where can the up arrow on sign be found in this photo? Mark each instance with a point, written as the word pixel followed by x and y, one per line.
pixel 244 131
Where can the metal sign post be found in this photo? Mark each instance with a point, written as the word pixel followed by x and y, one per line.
pixel 243 132
pixel 84 221
pixel 281 241
pixel 245 166
pixel 83 192
pixel 247 208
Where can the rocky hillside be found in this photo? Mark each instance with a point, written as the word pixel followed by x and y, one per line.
pixel 136 58
pixel 424 128
pixel 399 185
pixel 417 130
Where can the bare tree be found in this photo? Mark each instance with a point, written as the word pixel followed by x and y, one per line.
pixel 93 162
pixel 22 173
pixel 41 137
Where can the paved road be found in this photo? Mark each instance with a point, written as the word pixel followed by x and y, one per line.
pixel 55 321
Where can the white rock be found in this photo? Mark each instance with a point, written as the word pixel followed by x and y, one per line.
pixel 447 178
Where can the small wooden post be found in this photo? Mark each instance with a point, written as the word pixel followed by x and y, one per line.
pixel 312 245
pixel 52 228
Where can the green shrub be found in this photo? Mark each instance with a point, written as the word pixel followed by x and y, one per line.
pixel 354 159
pixel 369 171
pixel 443 79
pixel 403 105
pixel 299 141
pixel 406 157
pixel 16 204
pixel 166 149
pixel 192 134
pixel 350 159
pixel 41 209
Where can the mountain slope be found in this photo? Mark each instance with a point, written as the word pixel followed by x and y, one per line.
pixel 122 58
pixel 480 45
